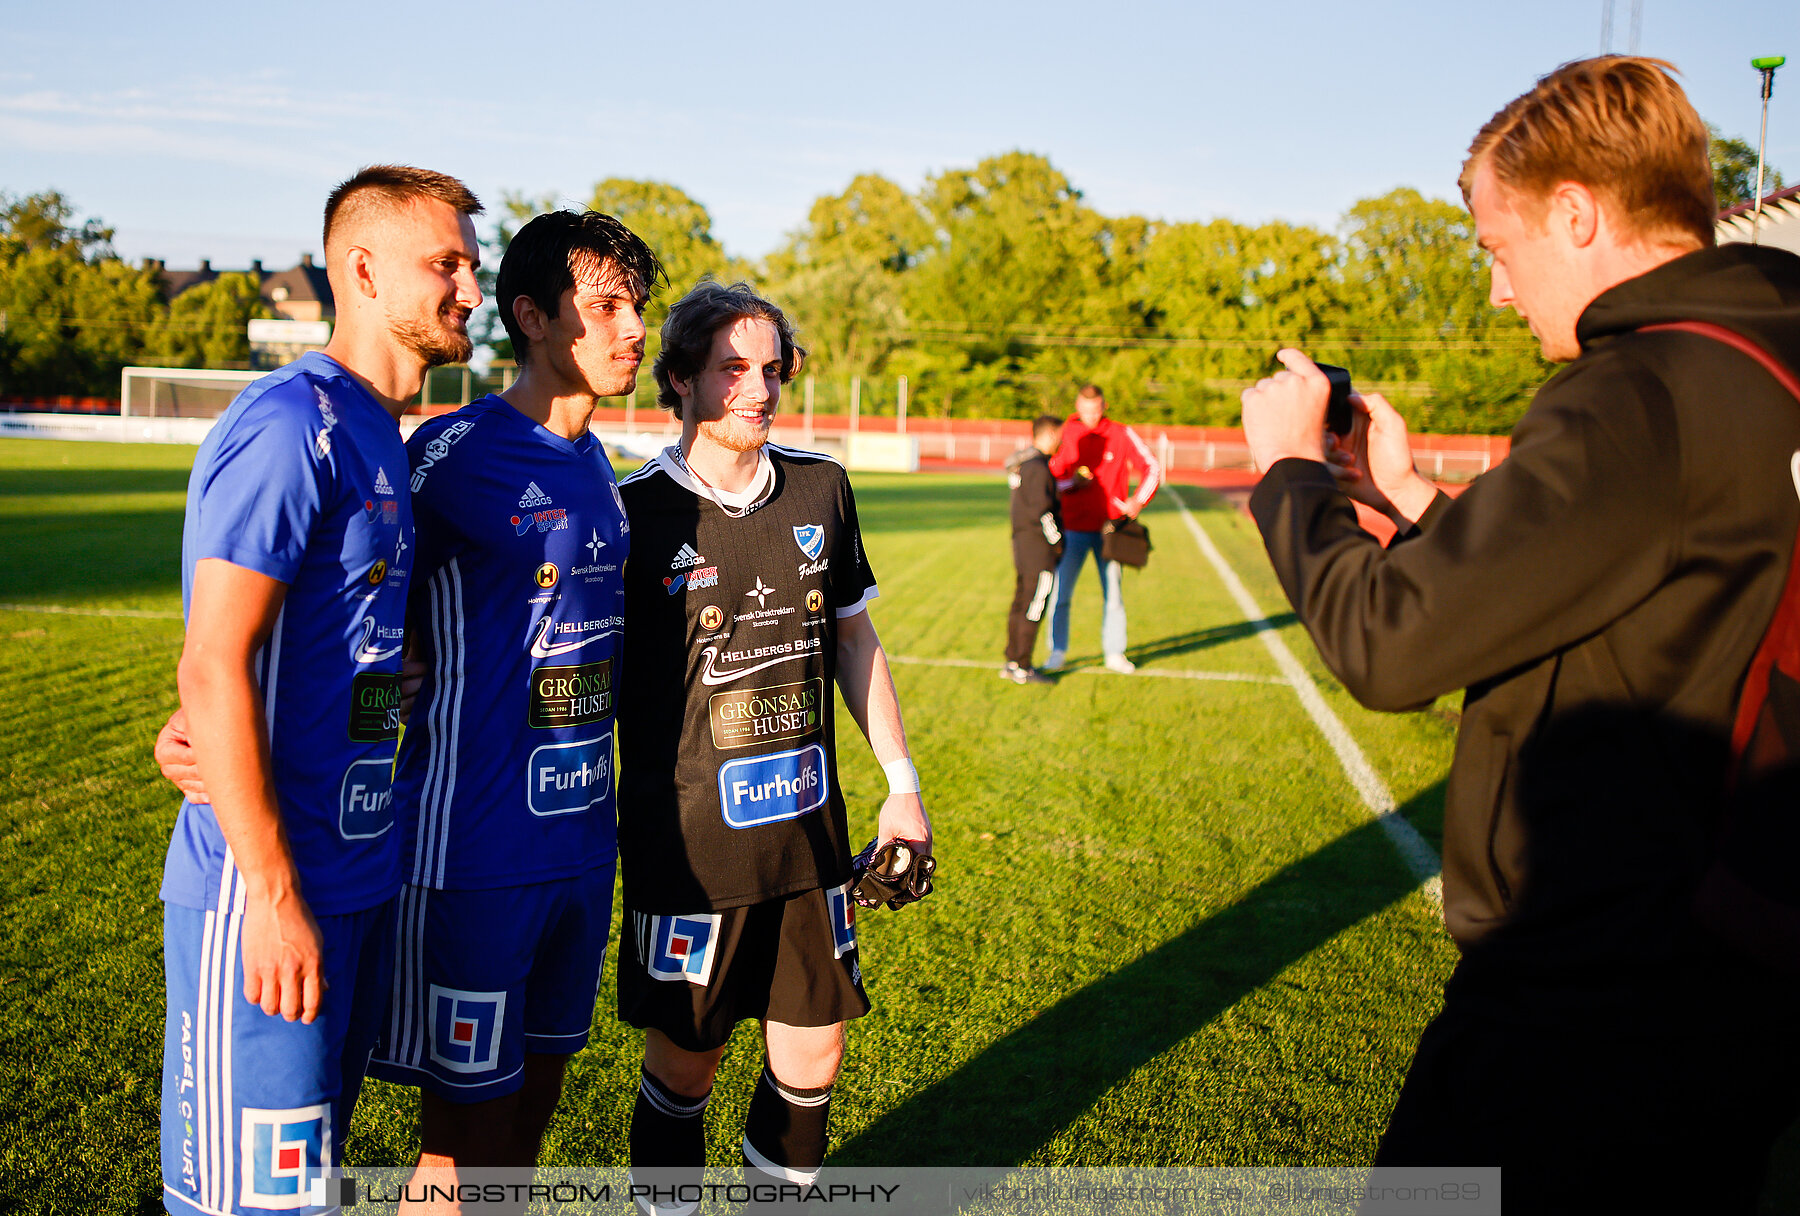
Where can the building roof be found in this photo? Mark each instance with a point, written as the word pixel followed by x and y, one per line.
pixel 1792 192
pixel 305 282
pixel 1780 225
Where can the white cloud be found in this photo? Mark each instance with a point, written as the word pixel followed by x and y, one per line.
pixel 99 137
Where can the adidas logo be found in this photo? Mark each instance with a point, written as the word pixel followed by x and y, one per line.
pixel 686 557
pixel 381 482
pixel 533 497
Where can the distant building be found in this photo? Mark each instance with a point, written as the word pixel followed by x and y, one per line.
pixel 1780 225
pixel 300 294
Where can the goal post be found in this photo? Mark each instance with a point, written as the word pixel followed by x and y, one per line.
pixel 179 392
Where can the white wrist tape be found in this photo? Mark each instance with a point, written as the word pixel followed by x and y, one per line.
pixel 902 777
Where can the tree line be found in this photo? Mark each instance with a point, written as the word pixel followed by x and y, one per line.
pixel 995 290
pixel 72 313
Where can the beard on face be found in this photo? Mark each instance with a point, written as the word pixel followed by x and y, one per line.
pixel 733 434
pixel 436 342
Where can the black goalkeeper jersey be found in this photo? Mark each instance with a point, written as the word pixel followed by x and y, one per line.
pixel 728 791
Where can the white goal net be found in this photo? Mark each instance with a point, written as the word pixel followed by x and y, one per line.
pixel 179 392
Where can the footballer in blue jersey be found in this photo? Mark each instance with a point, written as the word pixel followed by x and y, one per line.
pixel 298 540
pixel 304 481
pixel 506 774
pixel 505 783
pixel 507 763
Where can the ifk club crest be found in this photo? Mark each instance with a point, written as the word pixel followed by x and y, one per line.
pixel 811 539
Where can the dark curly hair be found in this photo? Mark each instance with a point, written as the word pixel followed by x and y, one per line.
pixel 688 332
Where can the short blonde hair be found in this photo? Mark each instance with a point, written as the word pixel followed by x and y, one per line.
pixel 1617 124
pixel 393 187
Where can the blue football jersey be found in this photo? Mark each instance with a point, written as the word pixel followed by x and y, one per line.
pixel 506 769
pixel 304 480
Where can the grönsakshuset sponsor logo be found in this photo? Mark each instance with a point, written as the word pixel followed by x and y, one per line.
pixel 747 716
pixel 374 706
pixel 573 695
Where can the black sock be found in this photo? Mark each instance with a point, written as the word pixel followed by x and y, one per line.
pixel 668 1136
pixel 784 1134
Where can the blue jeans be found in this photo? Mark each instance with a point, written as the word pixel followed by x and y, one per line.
pixel 1076 547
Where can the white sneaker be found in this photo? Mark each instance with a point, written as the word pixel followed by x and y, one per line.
pixel 1053 661
pixel 1120 664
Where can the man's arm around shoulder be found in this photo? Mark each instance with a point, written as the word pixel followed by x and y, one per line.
pixel 232 612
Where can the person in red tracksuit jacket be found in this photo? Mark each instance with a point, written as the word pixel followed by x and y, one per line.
pixel 1094 468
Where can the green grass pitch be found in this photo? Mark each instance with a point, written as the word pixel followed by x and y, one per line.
pixel 1166 930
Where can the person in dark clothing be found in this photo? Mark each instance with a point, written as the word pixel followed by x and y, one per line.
pixel 1037 544
pixel 1599 595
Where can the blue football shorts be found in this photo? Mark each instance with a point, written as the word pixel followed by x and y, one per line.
pixel 482 977
pixel 254 1107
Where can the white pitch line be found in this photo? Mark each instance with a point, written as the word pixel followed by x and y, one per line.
pixel 1241 677
pixel 61 611
pixel 1419 856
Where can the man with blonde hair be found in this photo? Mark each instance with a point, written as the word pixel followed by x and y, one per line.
pixel 1599 595
pixel 278 892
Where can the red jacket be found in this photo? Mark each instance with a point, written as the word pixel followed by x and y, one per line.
pixel 1111 453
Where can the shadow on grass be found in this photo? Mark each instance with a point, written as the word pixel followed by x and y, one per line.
pixel 1202 639
pixel 1008 1101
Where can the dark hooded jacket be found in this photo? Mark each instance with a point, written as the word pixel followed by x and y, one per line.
pixel 1599 594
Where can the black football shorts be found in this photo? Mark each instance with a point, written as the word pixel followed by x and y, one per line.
pixel 695 977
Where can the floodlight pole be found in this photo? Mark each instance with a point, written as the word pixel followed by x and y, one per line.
pixel 1766 66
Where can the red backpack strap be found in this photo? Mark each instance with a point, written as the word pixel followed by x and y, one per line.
pixel 1738 342
pixel 1780 645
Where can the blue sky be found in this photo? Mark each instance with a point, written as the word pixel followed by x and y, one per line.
pixel 217 130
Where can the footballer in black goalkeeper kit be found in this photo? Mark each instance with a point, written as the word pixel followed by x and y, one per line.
pixel 747 592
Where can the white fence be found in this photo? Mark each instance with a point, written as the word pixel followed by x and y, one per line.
pixel 108 428
pixel 935 448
